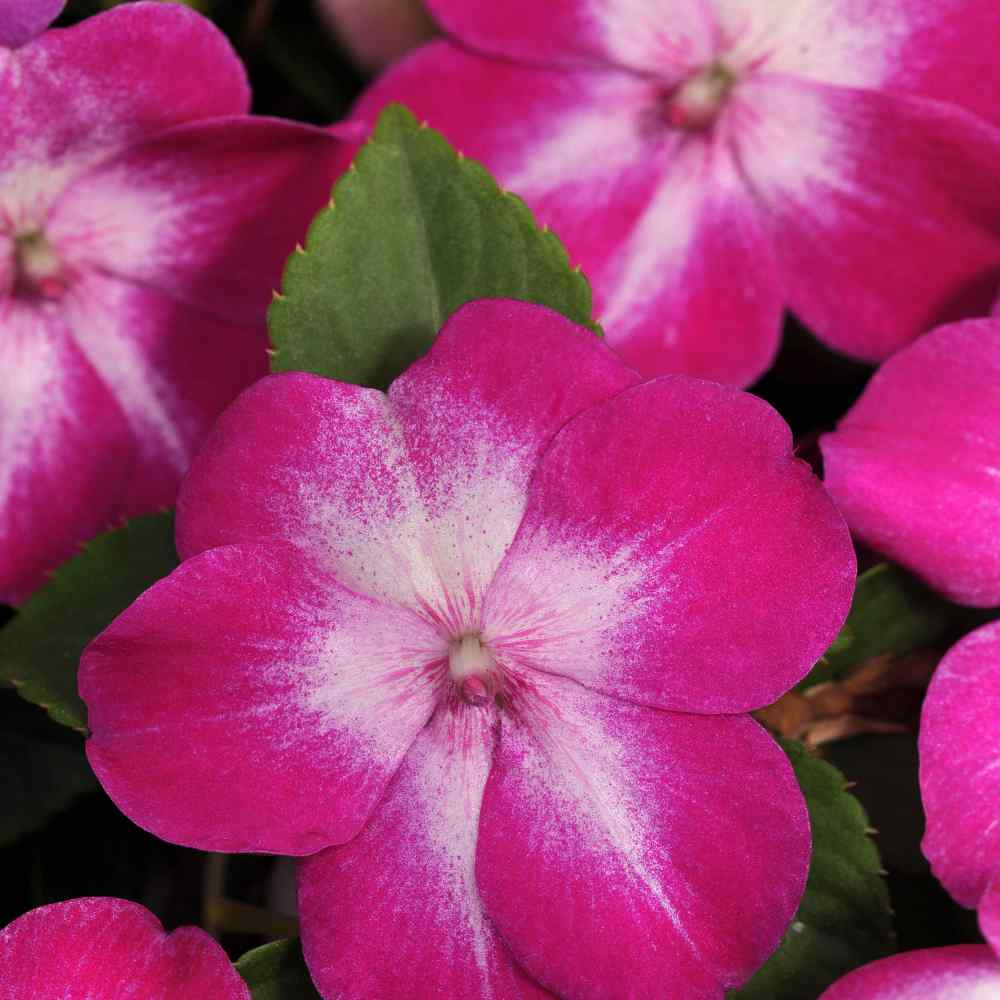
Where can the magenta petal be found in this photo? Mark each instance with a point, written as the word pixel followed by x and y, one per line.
pixel 632 33
pixel 207 212
pixel 623 848
pixel 398 905
pixel 402 497
pixel 22 20
pixel 989 911
pixel 675 552
pixel 244 667
pixel 915 464
pixel 109 949
pixel 960 766
pixel 961 972
pixel 67 450
pixel 861 197
pixel 113 79
pixel 144 344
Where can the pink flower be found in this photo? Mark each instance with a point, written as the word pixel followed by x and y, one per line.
pixel 915 464
pixel 109 949
pixel 144 220
pixel 21 20
pixel 711 162
pixel 377 31
pixel 960 972
pixel 493 633
pixel 960 774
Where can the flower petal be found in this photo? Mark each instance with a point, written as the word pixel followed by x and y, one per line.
pixel 171 369
pixel 109 81
pixel 67 450
pixel 862 190
pixel 915 464
pixel 960 766
pixel 245 667
pixel 623 848
pixel 414 497
pixel 960 972
pixel 22 20
pixel 674 552
pixel 106 949
pixel 989 911
pixel 398 905
pixel 206 213
pixel 684 278
pixel 637 34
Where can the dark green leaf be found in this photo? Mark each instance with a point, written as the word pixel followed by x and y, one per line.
pixel 895 613
pixel 43 770
pixel 844 918
pixel 277 971
pixel 416 231
pixel 40 649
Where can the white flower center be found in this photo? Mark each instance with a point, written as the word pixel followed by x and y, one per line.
pixel 473 669
pixel 696 103
pixel 38 271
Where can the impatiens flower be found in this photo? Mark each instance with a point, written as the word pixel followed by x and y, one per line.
pixel 711 162
pixel 22 20
pixel 494 633
pixel 144 220
pixel 915 464
pixel 109 949
pixel 961 972
pixel 377 31
pixel 960 774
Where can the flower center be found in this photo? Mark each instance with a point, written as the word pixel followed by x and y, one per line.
pixel 38 271
pixel 695 104
pixel 473 669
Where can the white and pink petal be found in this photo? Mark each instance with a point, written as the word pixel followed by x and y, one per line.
pixel 99 948
pixel 206 212
pixel 915 464
pixel 398 905
pixel 626 852
pixel 249 702
pixel 881 207
pixel 68 451
pixel 624 574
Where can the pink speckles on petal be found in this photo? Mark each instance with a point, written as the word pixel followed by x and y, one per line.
pixel 960 767
pixel 915 464
pixel 250 703
pixel 619 860
pixel 22 20
pixel 625 576
pixel 398 905
pixel 110 949
pixel 961 972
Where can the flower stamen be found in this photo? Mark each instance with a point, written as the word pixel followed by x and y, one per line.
pixel 696 103
pixel 472 667
pixel 39 273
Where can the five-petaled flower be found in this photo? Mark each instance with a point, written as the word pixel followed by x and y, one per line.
pixel 711 162
pixel 483 647
pixel 144 220
pixel 109 949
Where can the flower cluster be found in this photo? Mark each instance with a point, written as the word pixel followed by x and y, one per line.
pixel 480 651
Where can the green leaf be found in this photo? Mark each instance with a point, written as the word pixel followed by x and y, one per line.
pixel 414 231
pixel 844 919
pixel 277 971
pixel 895 613
pixel 40 649
pixel 43 770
